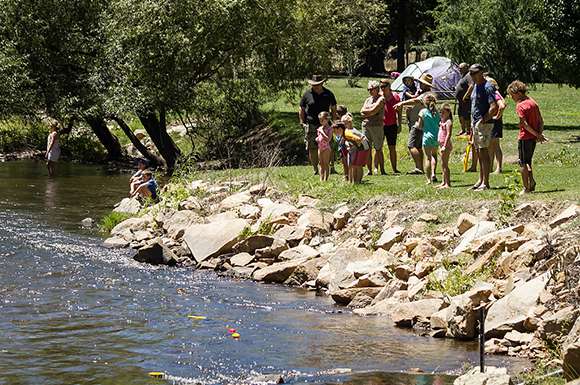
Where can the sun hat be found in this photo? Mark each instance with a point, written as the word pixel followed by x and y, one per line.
pixel 426 79
pixel 373 84
pixel 316 80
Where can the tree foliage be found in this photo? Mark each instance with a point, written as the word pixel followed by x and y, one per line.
pixel 511 38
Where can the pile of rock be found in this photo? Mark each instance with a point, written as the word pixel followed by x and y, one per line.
pixel 381 260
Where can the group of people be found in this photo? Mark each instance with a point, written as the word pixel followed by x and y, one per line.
pixel 328 127
pixel 142 184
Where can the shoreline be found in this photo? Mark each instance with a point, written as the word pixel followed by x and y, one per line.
pixel 387 258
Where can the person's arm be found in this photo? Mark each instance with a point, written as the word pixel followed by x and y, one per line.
pixel 467 95
pixel 373 108
pixel 410 102
pixel 322 133
pixel 490 113
pixel 139 189
pixel 528 128
pixel 419 123
pixel 500 108
pixel 302 116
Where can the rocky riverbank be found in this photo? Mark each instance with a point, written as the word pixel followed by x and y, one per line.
pixel 387 258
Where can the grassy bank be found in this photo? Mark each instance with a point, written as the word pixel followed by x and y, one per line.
pixel 556 161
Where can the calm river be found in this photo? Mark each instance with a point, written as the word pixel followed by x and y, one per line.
pixel 73 312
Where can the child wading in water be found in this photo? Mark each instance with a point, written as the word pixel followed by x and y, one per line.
pixel 429 123
pixel 531 128
pixel 323 138
pixel 445 146
pixel 52 149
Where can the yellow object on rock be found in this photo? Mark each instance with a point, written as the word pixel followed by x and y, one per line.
pixel 196 317
pixel 160 375
pixel 236 335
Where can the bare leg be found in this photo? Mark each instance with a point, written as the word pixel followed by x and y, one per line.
pixel 499 157
pixel 525 177
pixel 474 159
pixel 370 162
pixel 380 161
pixel 428 163
pixel 393 158
pixel 492 149
pixel 325 160
pixel 484 165
pixel 433 162
pixel 345 168
pixel 417 154
pixel 445 168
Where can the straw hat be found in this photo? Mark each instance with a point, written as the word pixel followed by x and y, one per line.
pixel 316 80
pixel 426 79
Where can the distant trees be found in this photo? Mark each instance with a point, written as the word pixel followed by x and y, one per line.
pixel 531 40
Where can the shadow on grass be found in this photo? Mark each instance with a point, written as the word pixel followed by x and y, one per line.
pixel 548 127
pixel 549 191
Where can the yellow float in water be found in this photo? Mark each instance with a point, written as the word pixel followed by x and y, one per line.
pixel 196 317
pixel 236 335
pixel 159 375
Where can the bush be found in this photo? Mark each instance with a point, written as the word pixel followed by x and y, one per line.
pixel 111 220
pixel 16 135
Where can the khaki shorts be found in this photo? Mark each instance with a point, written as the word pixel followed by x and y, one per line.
pixel 482 134
pixel 310 137
pixel 375 135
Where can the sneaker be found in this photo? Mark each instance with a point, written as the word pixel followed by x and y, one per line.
pixel 415 171
pixel 475 186
pixel 482 188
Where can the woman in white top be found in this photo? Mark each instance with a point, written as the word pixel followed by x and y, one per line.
pixel 52 148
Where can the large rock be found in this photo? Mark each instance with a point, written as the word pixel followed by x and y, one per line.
pixel 557 326
pixel 273 212
pixel 408 314
pixel 571 353
pixel 478 230
pixel 316 220
pixel 115 243
pixel 253 243
pixel 565 216
pixel 176 224
pixel 465 222
pixel 241 259
pixel 213 239
pixel 156 254
pixel 526 255
pixel 300 251
pixel 272 251
pixel 305 272
pixel 492 376
pixel 128 206
pixel 293 234
pixel 235 200
pixel 278 272
pixel 126 228
pixel 462 315
pixel 345 296
pixel 510 312
pixel 390 236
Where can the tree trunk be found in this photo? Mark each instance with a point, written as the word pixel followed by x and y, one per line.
pixel 153 159
pixel 157 131
pixel 401 31
pixel 107 139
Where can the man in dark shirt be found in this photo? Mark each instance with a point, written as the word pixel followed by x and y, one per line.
pixel 316 100
pixel 463 104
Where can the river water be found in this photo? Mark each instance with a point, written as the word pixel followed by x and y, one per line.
pixel 73 312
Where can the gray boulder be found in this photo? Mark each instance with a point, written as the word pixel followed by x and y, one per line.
pixel 253 243
pixel 128 206
pixel 213 239
pixel 278 272
pixel 511 311
pixel 492 376
pixel 408 314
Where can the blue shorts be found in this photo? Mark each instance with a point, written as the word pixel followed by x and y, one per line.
pixel 430 140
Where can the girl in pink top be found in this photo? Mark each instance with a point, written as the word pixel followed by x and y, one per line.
pixel 445 146
pixel 323 138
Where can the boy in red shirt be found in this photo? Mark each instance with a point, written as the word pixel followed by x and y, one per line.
pixel 531 128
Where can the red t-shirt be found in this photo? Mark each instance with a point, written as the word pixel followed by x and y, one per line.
pixel 528 110
pixel 390 116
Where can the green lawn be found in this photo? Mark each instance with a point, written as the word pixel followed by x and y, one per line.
pixel 556 162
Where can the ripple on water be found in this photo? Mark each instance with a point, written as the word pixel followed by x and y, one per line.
pixel 74 312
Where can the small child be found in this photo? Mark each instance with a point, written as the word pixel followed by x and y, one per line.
pixel 531 131
pixel 429 123
pixel 137 177
pixel 409 88
pixel 323 138
pixel 445 145
pixel 354 147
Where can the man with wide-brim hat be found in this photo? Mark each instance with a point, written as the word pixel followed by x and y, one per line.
pixel 314 101
pixel 415 142
pixel 483 108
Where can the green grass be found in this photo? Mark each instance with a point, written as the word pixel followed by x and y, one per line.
pixel 111 220
pixel 555 162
